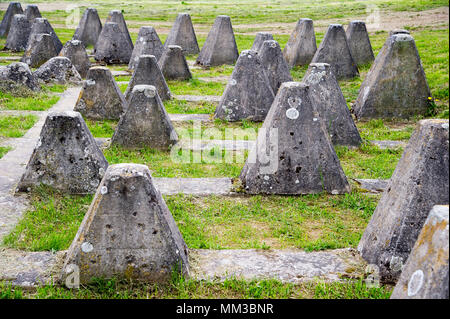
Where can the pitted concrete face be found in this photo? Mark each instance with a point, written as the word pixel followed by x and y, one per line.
pixel 276 66
pixel 420 180
pixel 66 157
pixel 32 12
pixel 293 153
pixel 128 231
pixel 425 274
pixel 183 34
pixel 76 52
pixel 301 46
pixel 88 28
pixel 41 25
pixel 145 123
pixel 248 94
pixel 100 97
pixel 113 46
pixel 359 43
pixel 18 34
pixel 220 45
pixel 39 50
pixel 18 74
pixel 117 17
pixel 259 40
pixel 173 64
pixel 58 70
pixel 147 43
pixel 13 9
pixel 148 72
pixel 331 105
pixel 396 85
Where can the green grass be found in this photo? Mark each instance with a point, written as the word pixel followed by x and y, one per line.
pixel 31 101
pixel 182 106
pixel 16 126
pixel 4 150
pixel 379 130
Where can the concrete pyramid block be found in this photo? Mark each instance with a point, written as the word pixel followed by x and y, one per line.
pixel 396 85
pixel 293 154
pixel 128 231
pixel 146 122
pixel 112 46
pixel 259 40
pixel 331 105
pixel 173 64
pixel 66 157
pixel 220 45
pixel 147 43
pixel 13 9
pixel 39 50
pixel 117 17
pixel 335 51
pixel 76 52
pixel 148 72
pixel 32 12
pixel 17 74
pixel 183 35
pixel 420 180
pixel 359 43
pixel 301 46
pixel 41 25
pixel 277 69
pixel 89 28
pixel 100 98
pixel 58 70
pixel 18 33
pixel 425 274
pixel 248 94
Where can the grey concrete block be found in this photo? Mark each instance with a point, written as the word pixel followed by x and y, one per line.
pixel 331 105
pixel 396 85
pixel 89 28
pixel 41 25
pixel 425 274
pixel 117 17
pixel 173 64
pixel 17 74
pixel 13 8
pixel 301 46
pixel 148 72
pixel 18 33
pixel 66 157
pixel 39 50
pixel 220 45
pixel 293 154
pixel 183 35
pixel 59 70
pixel 147 43
pixel 112 45
pixel 335 51
pixel 248 95
pixel 76 52
pixel 128 231
pixel 145 122
pixel 420 180
pixel 359 43
pixel 100 97
pixel 32 12
pixel 259 40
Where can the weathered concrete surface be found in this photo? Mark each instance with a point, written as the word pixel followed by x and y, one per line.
pixel 228 145
pixel 259 40
pixel 183 35
pixel 100 97
pixel 386 144
pixel 276 66
pixel 220 45
pixel 13 8
pixel 147 71
pixel 39 50
pixel 128 231
pixel 396 85
pixel 287 265
pixel 147 43
pixel 66 157
pixel 198 98
pixel 359 43
pixel 425 274
pixel 58 70
pixel 189 117
pixel 76 52
pixel 420 180
pixel 301 46
pixel 194 186
pixel 112 45
pixel 373 185
pixel 41 25
pixel 17 74
pixel 398 31
pixel 120 73
pixel 335 51
pixel 248 94
pixel 32 12
pixel 18 33
pixel 173 64
pixel 331 105
pixel 89 27
pixel 293 154
pixel 117 17
pixel 13 163
pixel 145 122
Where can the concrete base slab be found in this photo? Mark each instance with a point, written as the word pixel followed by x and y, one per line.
pixel 385 144
pixel 190 117
pixel 198 98
pixel 120 73
pixel 228 145
pixel 372 185
pixel 194 186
